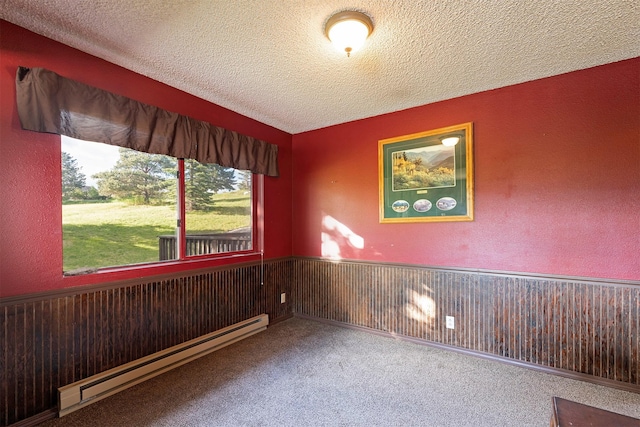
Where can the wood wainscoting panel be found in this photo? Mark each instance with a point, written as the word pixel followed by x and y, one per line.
pixel 60 338
pixel 588 327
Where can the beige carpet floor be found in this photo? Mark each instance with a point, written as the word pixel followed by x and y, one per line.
pixel 305 373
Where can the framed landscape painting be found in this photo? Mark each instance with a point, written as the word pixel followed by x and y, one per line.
pixel 427 176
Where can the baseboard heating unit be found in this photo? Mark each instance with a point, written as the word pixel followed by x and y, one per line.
pixel 82 393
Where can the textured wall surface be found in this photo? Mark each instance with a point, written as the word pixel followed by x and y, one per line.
pixel 48 342
pixel 578 326
pixel 556 185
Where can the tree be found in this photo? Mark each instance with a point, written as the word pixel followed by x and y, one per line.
pixel 72 179
pixel 141 177
pixel 243 180
pixel 201 181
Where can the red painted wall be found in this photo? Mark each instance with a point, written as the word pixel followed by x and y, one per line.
pixel 557 181
pixel 30 188
pixel 557 176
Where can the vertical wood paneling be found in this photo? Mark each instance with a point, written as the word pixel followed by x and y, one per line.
pixel 16 337
pixel 4 363
pixel 634 326
pixel 586 327
pixel 46 328
pixel 580 326
pixel 608 313
pixel 48 343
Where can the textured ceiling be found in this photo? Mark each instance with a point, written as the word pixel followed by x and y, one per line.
pixel 270 60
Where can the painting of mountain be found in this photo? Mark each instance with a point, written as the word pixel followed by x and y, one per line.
pixel 434 156
pixel 423 168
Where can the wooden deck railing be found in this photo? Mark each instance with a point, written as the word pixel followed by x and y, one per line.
pixel 201 244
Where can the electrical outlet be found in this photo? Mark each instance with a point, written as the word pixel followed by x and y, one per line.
pixel 451 322
pixel 283 298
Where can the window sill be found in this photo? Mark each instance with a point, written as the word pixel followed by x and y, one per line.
pixel 111 274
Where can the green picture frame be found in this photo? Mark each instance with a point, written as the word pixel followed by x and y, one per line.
pixel 421 179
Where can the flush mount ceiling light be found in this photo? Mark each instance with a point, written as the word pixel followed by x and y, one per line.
pixel 348 30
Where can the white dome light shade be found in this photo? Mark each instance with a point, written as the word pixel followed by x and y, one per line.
pixel 348 30
pixel 450 141
pixel 348 36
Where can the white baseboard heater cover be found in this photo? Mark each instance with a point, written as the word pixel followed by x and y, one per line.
pixel 82 393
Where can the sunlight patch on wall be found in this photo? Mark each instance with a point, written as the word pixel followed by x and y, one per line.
pixel 337 238
pixel 421 306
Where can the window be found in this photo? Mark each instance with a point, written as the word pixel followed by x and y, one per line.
pixel 122 207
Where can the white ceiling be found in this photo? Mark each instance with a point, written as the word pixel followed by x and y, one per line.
pixel 270 60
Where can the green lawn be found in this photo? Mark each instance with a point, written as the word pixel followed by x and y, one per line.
pixel 111 234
